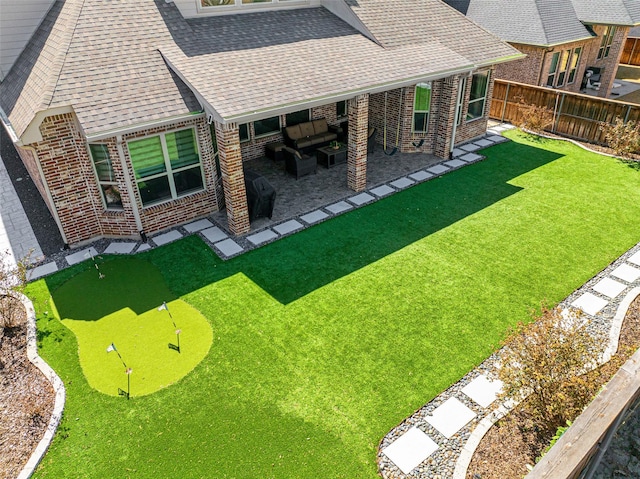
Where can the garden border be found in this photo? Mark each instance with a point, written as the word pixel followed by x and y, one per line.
pixel 56 383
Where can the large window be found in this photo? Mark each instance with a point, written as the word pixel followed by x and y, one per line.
pixel 421 107
pixel 341 109
pixel 268 126
pixel 553 69
pixel 607 40
pixel 573 67
pixel 243 131
pixel 166 166
pixel 478 95
pixel 296 117
pixel 106 177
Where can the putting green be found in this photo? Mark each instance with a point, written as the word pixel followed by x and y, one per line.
pixel 123 309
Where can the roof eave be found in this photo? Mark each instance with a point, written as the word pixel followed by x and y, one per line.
pixel 551 45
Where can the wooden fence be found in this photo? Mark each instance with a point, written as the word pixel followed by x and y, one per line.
pixel 631 52
pixel 574 115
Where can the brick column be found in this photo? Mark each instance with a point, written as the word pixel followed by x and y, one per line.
pixel 447 99
pixel 235 194
pixel 357 154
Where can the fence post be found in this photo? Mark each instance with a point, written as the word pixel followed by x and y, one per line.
pixel 504 106
pixel 555 112
pixel 559 112
pixel 626 117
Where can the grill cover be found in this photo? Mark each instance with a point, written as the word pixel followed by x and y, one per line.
pixel 261 196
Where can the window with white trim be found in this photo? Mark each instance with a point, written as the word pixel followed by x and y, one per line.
pixel 562 67
pixel 553 69
pixel 421 107
pixel 243 132
pixel 106 177
pixel 607 40
pixel 478 95
pixel 573 67
pixel 166 166
pixel 341 109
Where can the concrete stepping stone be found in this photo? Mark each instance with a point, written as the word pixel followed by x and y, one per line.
pixel 80 256
pixel 421 175
pixel 262 237
pixel 450 417
pixel 590 303
pixel 383 190
pixel 470 147
pixel 483 391
pixel 410 450
pixel 361 199
pixel 609 287
pixel 457 152
pixel 167 237
pixel 288 227
pixel 339 207
pixel 438 169
pixel 229 247
pixel 198 225
pixel 635 258
pixel 497 139
pixel 483 142
pixel 214 234
pixel 120 248
pixel 314 217
pixel 402 183
pixel 143 247
pixel 42 270
pixel 626 272
pixel 471 157
pixel 455 163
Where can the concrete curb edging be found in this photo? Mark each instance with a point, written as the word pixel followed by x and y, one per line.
pixel 464 460
pixel 56 383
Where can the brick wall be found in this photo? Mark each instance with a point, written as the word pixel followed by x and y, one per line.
pixel 468 130
pixel 69 173
pixel 609 63
pixel 357 142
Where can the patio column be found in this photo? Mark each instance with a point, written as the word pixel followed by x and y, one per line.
pixel 235 195
pixel 357 147
pixel 448 94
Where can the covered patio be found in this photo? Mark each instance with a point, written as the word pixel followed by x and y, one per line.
pixel 329 185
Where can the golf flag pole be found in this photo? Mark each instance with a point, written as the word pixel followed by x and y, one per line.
pixel 127 371
pixel 112 347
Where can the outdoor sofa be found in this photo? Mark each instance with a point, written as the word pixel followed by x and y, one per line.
pixel 309 135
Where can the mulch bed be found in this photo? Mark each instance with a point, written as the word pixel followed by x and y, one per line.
pixel 26 399
pixel 515 442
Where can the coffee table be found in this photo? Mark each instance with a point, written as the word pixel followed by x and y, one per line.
pixel 329 156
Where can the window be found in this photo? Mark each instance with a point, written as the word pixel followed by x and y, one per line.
pixel 462 88
pixel 166 166
pixel 562 69
pixel 573 68
pixel 607 40
pixel 341 109
pixel 244 132
pixel 421 107
pixel 265 127
pixel 297 117
pixel 478 95
pixel 553 69
pixel 106 177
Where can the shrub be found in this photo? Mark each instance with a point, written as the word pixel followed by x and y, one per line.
pixel 623 138
pixel 546 361
pixel 533 117
pixel 13 278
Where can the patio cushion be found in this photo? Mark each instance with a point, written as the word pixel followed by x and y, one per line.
pixel 306 129
pixel 329 136
pixel 320 126
pixel 305 142
pixel 293 132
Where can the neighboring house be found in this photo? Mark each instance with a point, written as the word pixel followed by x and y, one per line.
pixel 133 116
pixel 564 40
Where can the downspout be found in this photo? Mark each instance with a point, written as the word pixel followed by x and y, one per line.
pixel 54 210
pixel 129 185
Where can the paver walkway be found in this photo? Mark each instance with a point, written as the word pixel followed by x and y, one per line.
pixel 16 235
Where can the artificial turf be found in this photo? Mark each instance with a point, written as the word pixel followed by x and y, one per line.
pixel 119 309
pixel 325 340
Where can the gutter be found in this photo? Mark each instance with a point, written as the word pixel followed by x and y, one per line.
pixel 142 126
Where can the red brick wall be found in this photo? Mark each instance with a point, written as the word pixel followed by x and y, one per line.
pixel 67 167
pixel 357 146
pixel 526 70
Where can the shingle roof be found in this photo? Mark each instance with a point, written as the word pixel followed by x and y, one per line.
pixel 100 58
pixel 531 22
pixel 608 12
pixel 123 63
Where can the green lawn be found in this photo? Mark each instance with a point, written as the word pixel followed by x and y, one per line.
pixel 324 341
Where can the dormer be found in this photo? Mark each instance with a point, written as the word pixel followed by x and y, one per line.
pixel 199 8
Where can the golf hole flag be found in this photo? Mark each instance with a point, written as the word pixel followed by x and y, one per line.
pixel 163 307
pixel 112 347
